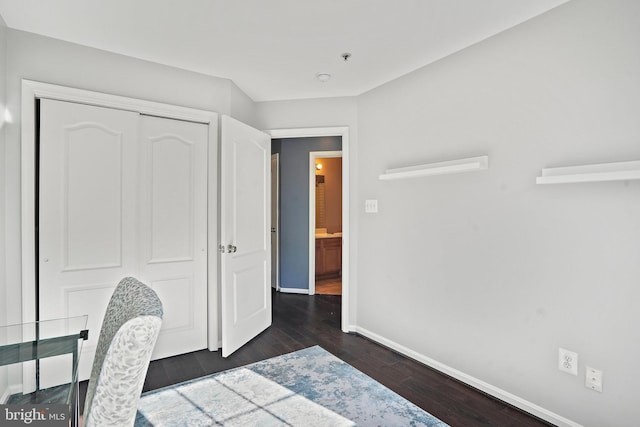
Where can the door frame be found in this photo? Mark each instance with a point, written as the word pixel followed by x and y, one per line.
pixel 275 209
pixel 33 90
pixel 313 155
pixel 343 132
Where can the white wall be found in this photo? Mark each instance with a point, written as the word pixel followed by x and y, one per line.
pixel 241 106
pixel 34 57
pixel 319 112
pixel 489 272
pixel 3 103
pixel 3 293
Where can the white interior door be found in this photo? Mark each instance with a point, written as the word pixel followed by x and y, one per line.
pixel 87 213
pixel 122 195
pixel 173 228
pixel 245 233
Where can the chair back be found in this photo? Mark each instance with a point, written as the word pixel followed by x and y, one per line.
pixel 128 335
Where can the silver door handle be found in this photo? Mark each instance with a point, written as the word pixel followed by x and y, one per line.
pixel 232 249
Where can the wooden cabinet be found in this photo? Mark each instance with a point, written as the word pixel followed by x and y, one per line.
pixel 328 257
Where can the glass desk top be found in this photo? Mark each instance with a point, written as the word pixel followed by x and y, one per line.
pixel 39 361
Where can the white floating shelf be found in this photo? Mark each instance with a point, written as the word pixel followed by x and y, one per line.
pixel 452 166
pixel 619 171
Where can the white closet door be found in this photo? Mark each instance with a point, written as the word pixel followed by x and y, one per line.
pixel 173 228
pixel 122 195
pixel 87 212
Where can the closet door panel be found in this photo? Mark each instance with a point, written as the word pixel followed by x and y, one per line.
pixel 173 218
pixel 172 199
pixel 87 212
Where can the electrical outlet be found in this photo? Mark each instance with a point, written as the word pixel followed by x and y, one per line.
pixel 568 361
pixel 593 379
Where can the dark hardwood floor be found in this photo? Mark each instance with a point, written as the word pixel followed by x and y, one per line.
pixel 301 321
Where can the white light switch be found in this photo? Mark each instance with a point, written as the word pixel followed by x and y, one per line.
pixel 371 206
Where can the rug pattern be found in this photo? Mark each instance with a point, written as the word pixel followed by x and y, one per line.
pixel 310 387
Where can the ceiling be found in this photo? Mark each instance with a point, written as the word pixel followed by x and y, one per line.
pixel 273 49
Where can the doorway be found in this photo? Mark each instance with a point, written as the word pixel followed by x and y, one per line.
pixel 343 133
pixel 325 222
pixel 275 202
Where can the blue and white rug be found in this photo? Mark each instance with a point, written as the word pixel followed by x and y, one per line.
pixel 310 387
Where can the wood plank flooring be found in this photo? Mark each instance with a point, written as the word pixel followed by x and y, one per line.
pixel 329 286
pixel 301 321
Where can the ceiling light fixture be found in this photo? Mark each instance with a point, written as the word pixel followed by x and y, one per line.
pixel 323 77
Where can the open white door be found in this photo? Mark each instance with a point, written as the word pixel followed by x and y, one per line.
pixel 245 233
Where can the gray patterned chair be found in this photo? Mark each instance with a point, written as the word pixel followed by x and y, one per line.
pixel 127 338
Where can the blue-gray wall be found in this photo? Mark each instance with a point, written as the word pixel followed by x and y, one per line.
pixel 294 205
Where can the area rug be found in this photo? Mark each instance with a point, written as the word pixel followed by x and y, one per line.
pixel 310 387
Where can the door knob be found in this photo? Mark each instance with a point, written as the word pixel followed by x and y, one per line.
pixel 231 249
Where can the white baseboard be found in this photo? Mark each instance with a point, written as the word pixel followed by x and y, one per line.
pixel 496 392
pixel 350 328
pixel 294 291
pixel 10 391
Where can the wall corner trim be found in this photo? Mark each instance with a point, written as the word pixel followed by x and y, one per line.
pixel 494 391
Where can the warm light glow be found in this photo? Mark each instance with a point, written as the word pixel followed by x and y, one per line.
pixel 6 118
pixel 318 166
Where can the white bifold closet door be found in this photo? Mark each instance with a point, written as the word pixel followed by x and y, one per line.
pixel 121 194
